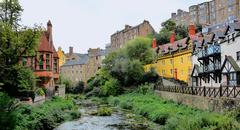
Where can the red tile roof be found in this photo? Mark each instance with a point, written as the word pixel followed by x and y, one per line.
pixel 44 44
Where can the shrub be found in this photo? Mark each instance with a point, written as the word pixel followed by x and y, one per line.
pixel 79 88
pixel 110 87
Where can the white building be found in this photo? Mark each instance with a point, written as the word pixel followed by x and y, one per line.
pixel 216 57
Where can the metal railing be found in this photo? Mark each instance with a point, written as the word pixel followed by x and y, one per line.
pixel 222 91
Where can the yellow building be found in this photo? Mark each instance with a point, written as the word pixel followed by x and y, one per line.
pixel 62 57
pixel 174 60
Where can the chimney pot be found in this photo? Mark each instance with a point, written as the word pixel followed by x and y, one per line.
pixel 191 30
pixel 70 50
pixel 172 37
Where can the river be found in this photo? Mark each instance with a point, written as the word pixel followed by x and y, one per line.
pixel 119 120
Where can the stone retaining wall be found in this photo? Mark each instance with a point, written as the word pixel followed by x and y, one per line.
pixel 204 103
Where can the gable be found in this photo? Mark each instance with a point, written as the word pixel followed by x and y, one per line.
pixel 230 65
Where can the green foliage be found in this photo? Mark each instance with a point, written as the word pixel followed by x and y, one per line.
pixel 140 49
pixel 21 79
pixel 173 116
pixel 145 88
pixel 40 92
pixel 10 11
pixel 46 116
pixel 104 111
pixel 168 27
pixel 68 85
pixel 79 88
pixel 7 106
pixel 111 87
pixel 15 42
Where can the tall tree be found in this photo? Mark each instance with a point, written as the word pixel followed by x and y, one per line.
pixel 15 41
pixel 10 12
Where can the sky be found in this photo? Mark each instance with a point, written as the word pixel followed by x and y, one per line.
pixel 86 24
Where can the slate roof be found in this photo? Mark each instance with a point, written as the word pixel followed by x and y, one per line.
pixel 172 47
pixel 83 60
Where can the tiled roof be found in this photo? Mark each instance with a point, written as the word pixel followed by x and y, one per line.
pixel 172 47
pixel 44 44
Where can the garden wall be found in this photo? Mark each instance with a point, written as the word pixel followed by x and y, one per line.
pixel 200 102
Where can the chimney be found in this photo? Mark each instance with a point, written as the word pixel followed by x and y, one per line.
pixel 154 43
pixel 70 50
pixel 127 27
pixel 172 38
pixel 173 15
pixel 191 31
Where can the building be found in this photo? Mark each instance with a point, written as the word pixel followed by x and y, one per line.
pixel 61 55
pixel 181 17
pixel 83 66
pixel 72 56
pixel 216 57
pixel 175 58
pixel 209 13
pixel 120 38
pixel 75 70
pixel 227 10
pixel 193 14
pixel 45 63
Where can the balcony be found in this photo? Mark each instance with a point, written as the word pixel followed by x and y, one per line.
pixel 213 66
pixel 210 51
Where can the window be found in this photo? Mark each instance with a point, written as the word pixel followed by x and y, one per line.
pixel 96 57
pixel 171 61
pixel 181 59
pixel 238 55
pixel 55 65
pixel 171 71
pixel 47 62
pixel 41 62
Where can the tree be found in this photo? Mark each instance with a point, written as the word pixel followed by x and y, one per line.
pixel 10 12
pixel 140 49
pixel 15 42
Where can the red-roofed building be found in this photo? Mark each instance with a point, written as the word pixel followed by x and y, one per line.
pixel 46 63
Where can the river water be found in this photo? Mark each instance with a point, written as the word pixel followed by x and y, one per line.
pixel 119 120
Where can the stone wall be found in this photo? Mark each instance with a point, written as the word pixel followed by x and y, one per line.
pixel 204 103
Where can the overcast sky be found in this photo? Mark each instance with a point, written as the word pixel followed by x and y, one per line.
pixel 87 24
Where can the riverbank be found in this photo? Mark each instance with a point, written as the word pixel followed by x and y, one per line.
pixel 45 116
pixel 174 116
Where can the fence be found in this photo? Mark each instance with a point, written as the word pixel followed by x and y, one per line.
pixel 222 91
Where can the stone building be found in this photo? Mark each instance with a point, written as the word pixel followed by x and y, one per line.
pixel 211 13
pixel 45 63
pixel 181 17
pixel 81 67
pixel 227 10
pixel 120 38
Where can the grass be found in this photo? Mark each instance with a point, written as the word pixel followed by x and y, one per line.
pixel 173 116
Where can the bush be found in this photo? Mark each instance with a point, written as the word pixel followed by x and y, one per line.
pixel 79 88
pixel 46 116
pixel 110 87
pixel 146 88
